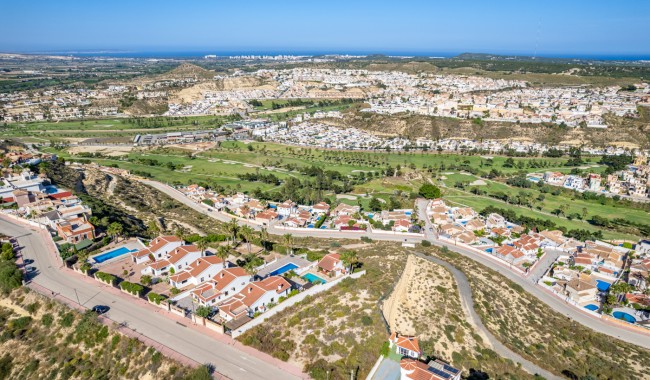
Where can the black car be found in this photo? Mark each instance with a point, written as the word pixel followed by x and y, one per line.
pixel 100 309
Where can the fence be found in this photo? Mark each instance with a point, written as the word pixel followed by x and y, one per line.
pixel 292 301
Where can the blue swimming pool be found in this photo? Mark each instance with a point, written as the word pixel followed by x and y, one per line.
pixel 591 307
pixel 489 250
pixel 624 316
pixel 112 254
pixel 284 268
pixel 313 278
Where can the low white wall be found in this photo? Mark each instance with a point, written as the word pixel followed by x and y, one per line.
pixel 292 301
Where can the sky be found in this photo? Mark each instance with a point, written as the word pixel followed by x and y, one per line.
pixel 549 27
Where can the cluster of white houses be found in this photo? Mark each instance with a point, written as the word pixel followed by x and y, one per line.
pixel 634 181
pixel 214 282
pixel 290 214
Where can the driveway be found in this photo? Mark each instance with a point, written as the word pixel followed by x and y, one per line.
pixel 387 370
pixel 137 314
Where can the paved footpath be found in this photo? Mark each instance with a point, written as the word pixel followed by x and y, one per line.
pixel 630 334
pixel 179 334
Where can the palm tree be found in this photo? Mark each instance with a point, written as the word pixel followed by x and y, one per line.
pixel 246 232
pixel 180 233
pixel 264 238
pixel 250 269
pixel 115 229
pixel 223 252
pixel 202 244
pixel 232 226
pixel 288 241
pixel 350 258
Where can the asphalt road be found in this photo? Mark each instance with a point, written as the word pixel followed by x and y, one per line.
pixel 557 304
pixel 189 342
pixel 551 300
pixel 465 292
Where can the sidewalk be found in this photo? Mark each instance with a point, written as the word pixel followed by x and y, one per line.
pixel 186 322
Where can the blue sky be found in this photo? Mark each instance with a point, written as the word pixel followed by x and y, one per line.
pixel 550 27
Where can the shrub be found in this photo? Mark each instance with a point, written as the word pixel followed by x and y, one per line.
pixel 10 276
pixel 426 243
pixel 132 288
pixel 175 291
pixel 85 267
pixel 67 319
pixel 155 298
pixel 145 279
pixel 47 320
pixel 106 277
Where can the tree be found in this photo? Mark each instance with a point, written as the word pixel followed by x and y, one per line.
pixel 350 259
pixel 223 252
pixel 115 229
pixel 288 241
pixel 180 233
pixel 264 239
pixel 374 204
pixel 202 244
pixel 203 311
pixel 10 276
pixel 233 227
pixel 584 212
pixel 246 233
pixel 200 373
pixel 429 191
pixel 251 269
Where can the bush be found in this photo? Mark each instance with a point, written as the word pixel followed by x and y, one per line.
pixel 10 276
pixel 106 277
pixel 426 243
pixel 47 320
pixel 175 291
pixel 145 279
pixel 156 298
pixel 132 288
pixel 429 191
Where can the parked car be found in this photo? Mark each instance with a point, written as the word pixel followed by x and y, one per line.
pixel 28 261
pixel 29 269
pixel 100 309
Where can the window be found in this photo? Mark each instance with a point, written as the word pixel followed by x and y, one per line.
pixel 201 279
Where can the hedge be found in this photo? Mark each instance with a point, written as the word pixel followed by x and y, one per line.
pixel 156 298
pixel 106 277
pixel 135 289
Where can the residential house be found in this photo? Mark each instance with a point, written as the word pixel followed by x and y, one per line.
pixel 405 345
pixel 266 217
pixel 402 225
pixel 75 230
pixel 158 248
pixel 332 265
pixel 201 270
pixel 475 225
pixel 287 208
pixel 509 254
pixel 344 209
pixel 225 284
pixel 254 297
pixel 580 291
pixel 320 208
pixel 411 369
pixel 495 221
pixel 463 214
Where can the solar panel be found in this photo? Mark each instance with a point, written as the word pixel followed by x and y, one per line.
pixel 440 373
pixel 451 369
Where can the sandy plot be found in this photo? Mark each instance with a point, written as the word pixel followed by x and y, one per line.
pixel 112 151
pixel 346 196
pixel 478 182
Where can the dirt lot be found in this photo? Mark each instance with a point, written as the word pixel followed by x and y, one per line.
pixel 113 151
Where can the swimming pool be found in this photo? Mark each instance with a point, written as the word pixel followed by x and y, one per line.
pixel 624 316
pixel 313 278
pixel 284 268
pixel 591 307
pixel 489 250
pixel 112 254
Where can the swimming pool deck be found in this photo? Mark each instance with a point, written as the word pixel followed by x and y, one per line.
pixel 128 244
pixel 298 261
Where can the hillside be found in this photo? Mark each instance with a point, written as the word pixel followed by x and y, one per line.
pixel 44 339
pixel 622 131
